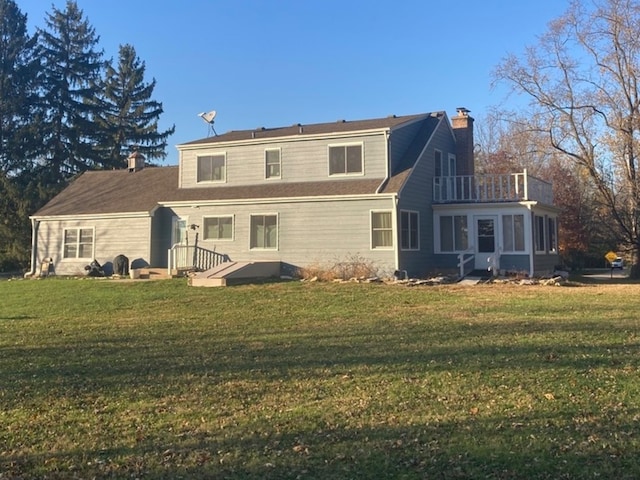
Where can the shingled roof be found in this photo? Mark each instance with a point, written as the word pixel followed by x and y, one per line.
pixel 121 191
pixel 341 126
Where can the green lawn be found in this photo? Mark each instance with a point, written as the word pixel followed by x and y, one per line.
pixel 155 379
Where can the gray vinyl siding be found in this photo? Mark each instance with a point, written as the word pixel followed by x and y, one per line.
pixel 515 263
pixel 112 237
pixel 400 140
pixel 300 160
pixel 545 264
pixel 417 195
pixel 312 233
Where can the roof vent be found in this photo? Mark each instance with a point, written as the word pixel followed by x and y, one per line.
pixel 135 161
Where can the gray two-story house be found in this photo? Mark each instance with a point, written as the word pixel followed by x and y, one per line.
pixel 398 191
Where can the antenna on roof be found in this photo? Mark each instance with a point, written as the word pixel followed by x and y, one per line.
pixel 208 117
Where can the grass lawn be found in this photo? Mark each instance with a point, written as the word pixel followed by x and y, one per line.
pixel 120 379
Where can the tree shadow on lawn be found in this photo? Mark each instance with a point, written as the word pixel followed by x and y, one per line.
pixel 116 364
pixel 550 446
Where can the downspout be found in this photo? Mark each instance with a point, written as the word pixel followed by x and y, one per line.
pixel 387 167
pixel 396 237
pixel 34 246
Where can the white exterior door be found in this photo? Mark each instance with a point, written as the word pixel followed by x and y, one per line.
pixel 486 230
pixel 179 231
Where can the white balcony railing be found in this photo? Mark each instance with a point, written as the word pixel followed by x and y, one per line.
pixel 512 187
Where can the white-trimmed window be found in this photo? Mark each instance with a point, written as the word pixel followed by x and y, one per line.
pixel 409 228
pixel 78 243
pixel 217 228
pixel 272 163
pixel 212 168
pixel 454 233
pixel 345 159
pixel 381 230
pixel 264 231
pixel 513 233
pixel 552 236
pixel 539 233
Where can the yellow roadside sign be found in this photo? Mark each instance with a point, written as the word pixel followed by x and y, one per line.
pixel 611 256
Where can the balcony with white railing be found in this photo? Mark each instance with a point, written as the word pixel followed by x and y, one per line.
pixel 511 187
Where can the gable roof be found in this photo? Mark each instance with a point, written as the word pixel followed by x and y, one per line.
pixel 341 126
pixel 107 192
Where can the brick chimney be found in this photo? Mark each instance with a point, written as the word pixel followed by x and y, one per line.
pixel 135 161
pixel 462 125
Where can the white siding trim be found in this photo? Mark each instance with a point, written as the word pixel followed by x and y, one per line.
pixel 285 139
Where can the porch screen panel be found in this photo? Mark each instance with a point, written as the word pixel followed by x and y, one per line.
pixel 551 231
pixel 518 232
pixel 446 234
pixel 461 233
pixel 539 233
pixel 513 233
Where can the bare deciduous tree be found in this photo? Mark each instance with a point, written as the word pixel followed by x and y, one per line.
pixel 582 80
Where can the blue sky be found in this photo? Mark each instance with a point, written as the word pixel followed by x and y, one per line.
pixel 281 62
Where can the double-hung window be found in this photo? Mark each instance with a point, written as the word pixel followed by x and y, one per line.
pixel 264 231
pixel 218 228
pixel 381 230
pixel 272 163
pixel 454 233
pixel 78 243
pixel 345 159
pixel 212 168
pixel 409 227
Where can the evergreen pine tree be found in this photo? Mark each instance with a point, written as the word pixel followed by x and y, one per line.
pixel 127 117
pixel 18 90
pixel 71 70
pixel 19 134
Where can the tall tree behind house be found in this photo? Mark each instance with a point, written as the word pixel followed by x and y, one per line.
pixel 126 116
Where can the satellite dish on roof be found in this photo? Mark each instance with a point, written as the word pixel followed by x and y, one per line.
pixel 208 117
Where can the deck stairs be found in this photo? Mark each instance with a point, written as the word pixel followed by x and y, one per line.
pixel 230 273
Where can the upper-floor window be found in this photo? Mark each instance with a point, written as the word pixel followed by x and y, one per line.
pixel 218 228
pixel 345 159
pixel 77 243
pixel 212 168
pixel 272 163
